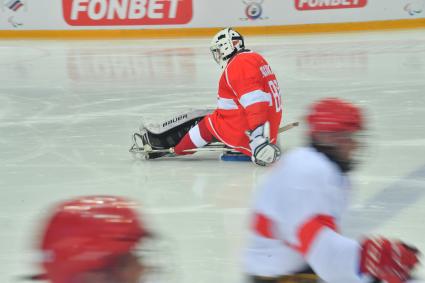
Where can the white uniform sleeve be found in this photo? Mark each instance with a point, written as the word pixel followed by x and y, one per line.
pixel 335 258
pixel 310 200
pixel 312 231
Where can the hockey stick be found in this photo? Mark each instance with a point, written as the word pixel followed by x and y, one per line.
pixel 222 147
pixel 217 147
pixel 288 127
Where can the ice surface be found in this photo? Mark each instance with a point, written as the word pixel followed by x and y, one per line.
pixel 68 108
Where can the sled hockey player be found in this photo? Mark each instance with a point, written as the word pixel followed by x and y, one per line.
pixel 295 222
pixel 94 239
pixel 248 113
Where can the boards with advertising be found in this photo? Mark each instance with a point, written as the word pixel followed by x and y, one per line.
pixel 169 14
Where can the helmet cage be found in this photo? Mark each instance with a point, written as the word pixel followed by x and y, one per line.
pixel 225 44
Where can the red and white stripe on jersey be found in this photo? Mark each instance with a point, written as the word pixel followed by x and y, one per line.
pixel 244 102
pixel 256 96
pixel 226 104
pixel 252 92
pixel 263 226
pixel 306 233
pixel 196 137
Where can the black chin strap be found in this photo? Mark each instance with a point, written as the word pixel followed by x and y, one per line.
pixel 228 57
pixel 331 153
pixel 236 52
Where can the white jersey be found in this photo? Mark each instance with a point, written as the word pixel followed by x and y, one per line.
pixel 296 219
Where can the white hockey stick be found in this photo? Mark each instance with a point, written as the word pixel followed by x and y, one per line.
pixel 217 147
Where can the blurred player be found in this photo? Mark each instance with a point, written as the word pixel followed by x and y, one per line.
pixel 297 212
pixel 94 240
pixel 248 113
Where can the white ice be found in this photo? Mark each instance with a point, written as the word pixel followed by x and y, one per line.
pixel 68 108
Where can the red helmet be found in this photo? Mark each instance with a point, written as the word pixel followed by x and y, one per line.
pixel 87 234
pixel 334 115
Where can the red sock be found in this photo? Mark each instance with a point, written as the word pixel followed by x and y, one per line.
pixel 198 136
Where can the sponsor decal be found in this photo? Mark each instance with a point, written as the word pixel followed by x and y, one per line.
pixel 174 120
pixel 14 5
pixel 304 5
pixel 127 12
pixel 14 12
pixel 14 23
pixel 253 10
pixel 415 7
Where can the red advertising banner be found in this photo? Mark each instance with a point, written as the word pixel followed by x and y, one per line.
pixel 127 12
pixel 305 5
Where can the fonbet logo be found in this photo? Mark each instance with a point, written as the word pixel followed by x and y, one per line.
pixel 127 12
pixel 303 5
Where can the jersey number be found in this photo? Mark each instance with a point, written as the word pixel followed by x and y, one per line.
pixel 275 89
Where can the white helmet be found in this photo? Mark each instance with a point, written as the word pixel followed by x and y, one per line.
pixel 225 44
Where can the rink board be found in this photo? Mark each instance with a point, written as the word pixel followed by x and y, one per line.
pixel 199 32
pixel 176 18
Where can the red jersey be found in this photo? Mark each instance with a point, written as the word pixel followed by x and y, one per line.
pixel 248 96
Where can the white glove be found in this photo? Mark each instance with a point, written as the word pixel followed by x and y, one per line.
pixel 263 152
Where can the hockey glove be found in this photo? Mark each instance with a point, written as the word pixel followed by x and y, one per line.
pixel 389 261
pixel 263 152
